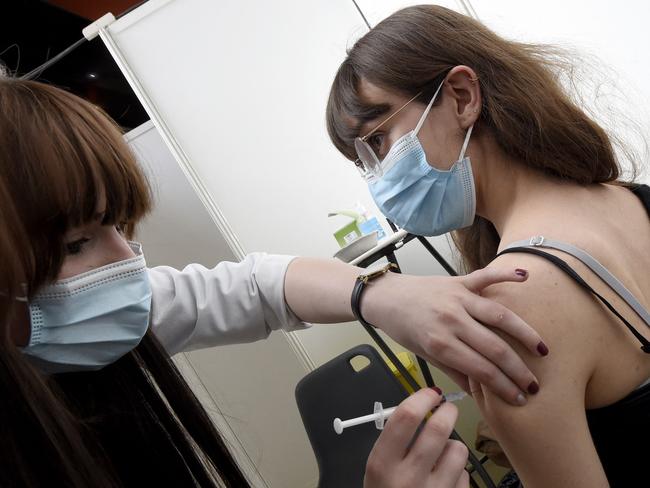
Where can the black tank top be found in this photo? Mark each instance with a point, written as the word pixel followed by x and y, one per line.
pixel 621 431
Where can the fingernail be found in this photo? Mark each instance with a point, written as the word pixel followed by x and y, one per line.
pixel 542 349
pixel 437 390
pixel 521 272
pixel 533 388
pixel 521 400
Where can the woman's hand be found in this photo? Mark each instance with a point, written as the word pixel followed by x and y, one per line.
pixel 446 321
pixel 431 460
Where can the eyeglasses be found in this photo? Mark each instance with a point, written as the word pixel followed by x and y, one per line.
pixel 368 162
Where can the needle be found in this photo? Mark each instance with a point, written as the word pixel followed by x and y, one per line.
pixel 380 414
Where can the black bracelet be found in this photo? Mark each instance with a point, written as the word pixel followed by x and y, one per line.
pixel 357 291
pixel 360 284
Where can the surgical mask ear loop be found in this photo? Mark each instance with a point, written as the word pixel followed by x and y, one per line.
pixel 465 142
pixel 18 299
pixel 426 111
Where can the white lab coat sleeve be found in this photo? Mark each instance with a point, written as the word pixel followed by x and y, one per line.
pixel 229 304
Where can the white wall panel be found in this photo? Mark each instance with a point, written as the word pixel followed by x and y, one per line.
pixel 247 389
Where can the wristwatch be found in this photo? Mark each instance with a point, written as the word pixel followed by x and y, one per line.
pixel 360 284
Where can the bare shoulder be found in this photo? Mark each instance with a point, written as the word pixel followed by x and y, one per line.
pixel 554 305
pixel 561 453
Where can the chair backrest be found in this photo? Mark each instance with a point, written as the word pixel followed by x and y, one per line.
pixel 336 390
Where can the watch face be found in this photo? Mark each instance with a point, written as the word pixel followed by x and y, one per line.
pixel 381 270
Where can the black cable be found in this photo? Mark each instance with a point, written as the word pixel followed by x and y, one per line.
pixel 426 373
pixel 478 467
pixel 37 71
pixel 424 367
pixel 432 250
pixel 429 247
pixel 408 377
pixel 392 226
pixel 361 13
pixel 128 10
pixel 483 460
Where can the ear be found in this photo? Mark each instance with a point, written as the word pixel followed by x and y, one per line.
pixel 463 87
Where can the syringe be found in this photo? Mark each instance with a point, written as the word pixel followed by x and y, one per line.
pixel 380 414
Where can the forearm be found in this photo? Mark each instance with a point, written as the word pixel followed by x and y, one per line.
pixel 319 290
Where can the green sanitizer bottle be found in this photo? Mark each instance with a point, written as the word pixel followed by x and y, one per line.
pixel 369 223
pixel 362 223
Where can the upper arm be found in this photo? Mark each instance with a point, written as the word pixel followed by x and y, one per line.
pixel 548 440
pixel 228 304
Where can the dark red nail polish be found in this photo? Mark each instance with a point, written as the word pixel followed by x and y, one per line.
pixel 533 388
pixel 437 390
pixel 521 272
pixel 542 349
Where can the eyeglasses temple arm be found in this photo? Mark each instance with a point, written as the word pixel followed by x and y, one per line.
pixel 389 117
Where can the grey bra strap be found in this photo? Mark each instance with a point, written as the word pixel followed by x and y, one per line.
pixel 593 265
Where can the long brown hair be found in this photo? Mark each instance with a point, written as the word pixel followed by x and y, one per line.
pixel 525 107
pixel 135 422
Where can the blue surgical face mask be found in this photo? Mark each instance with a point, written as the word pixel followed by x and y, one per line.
pixel 419 198
pixel 90 320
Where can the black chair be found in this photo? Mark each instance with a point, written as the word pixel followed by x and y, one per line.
pixel 336 390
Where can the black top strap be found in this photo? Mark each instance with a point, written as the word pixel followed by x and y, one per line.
pixel 643 192
pixel 645 344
